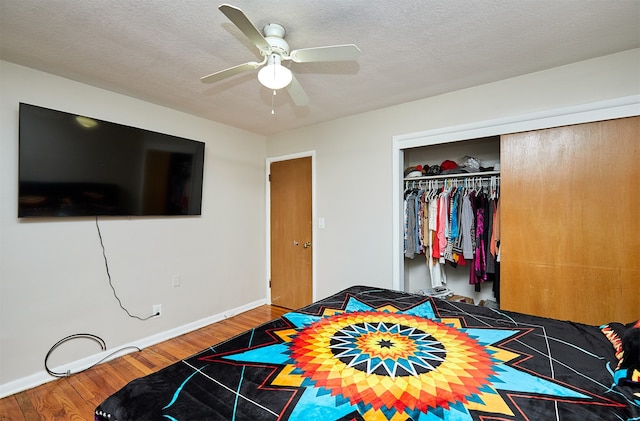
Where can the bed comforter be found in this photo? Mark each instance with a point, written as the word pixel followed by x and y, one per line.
pixel 375 354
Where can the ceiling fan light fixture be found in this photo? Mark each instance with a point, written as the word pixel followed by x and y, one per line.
pixel 274 75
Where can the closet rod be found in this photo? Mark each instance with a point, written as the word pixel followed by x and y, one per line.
pixel 459 175
pixel 453 181
pixel 491 182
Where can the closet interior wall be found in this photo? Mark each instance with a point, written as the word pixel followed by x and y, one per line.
pixel 416 273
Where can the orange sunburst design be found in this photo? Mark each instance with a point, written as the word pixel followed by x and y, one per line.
pixel 365 366
pixel 388 360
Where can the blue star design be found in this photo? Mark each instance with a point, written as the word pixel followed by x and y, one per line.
pixel 319 403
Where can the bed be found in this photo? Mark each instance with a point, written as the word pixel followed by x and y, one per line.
pixel 375 354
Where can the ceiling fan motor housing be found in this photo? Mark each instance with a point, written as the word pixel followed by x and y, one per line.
pixel 274 34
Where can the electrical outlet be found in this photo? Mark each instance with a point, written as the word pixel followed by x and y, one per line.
pixel 157 310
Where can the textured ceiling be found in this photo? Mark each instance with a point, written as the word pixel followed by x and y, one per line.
pixel 158 50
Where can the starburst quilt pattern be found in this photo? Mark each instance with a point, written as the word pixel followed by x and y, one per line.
pixel 368 354
pixel 387 364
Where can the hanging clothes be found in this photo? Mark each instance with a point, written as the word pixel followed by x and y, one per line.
pixel 436 269
pixel 478 273
pixel 467 224
pixel 411 241
pixel 456 226
pixel 491 269
pixel 443 224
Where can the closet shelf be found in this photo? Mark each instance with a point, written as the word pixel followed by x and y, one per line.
pixel 458 175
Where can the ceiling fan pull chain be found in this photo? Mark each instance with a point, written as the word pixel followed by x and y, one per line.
pixel 273 110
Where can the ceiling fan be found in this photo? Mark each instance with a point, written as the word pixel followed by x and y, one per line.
pixel 275 50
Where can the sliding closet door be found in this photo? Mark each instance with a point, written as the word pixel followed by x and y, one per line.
pixel 570 222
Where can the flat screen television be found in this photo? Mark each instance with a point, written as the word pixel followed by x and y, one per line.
pixel 73 165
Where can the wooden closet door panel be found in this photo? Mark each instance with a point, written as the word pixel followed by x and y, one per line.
pixel 570 222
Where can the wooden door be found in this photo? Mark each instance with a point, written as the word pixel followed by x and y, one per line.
pixel 570 222
pixel 291 231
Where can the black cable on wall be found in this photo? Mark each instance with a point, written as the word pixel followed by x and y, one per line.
pixel 99 340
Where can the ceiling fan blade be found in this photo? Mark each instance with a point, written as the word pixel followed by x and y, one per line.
pixel 243 23
pixel 223 74
pixel 298 95
pixel 328 53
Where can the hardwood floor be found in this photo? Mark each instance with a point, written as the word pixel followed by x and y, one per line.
pixel 76 397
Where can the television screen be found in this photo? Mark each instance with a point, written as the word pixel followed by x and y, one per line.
pixel 73 165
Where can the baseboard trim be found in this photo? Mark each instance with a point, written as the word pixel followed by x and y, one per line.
pixel 43 377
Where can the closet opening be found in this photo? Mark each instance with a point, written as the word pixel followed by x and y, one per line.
pixel 445 254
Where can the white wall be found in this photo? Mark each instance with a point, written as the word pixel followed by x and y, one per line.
pixel 354 156
pixel 52 274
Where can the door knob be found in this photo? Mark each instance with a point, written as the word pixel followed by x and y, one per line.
pixel 307 244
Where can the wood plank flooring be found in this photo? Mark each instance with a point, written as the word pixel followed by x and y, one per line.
pixel 76 397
